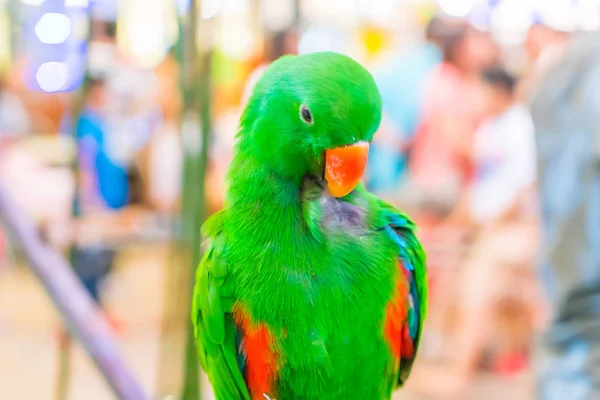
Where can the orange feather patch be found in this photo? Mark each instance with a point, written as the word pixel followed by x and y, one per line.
pixel 396 329
pixel 261 360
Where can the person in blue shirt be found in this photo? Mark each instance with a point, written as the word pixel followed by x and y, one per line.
pixel 103 185
pixel 104 178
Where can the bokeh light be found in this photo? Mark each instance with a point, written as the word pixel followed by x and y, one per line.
pixel 587 15
pixel 277 14
pixel 53 28
pixel 52 76
pixel 237 40
pixel 511 20
pixel 33 3
pixel 314 40
pixel 147 30
pixel 209 8
pixel 556 13
pixel 76 3
pixel 456 8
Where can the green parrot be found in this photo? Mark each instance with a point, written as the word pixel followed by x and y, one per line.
pixel 310 287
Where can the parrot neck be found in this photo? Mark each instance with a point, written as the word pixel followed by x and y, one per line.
pixel 254 185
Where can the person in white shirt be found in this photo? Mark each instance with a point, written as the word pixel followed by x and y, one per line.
pixel 504 153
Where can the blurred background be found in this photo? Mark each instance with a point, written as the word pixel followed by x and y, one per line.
pixel 113 113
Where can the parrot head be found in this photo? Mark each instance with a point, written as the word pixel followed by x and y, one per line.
pixel 313 114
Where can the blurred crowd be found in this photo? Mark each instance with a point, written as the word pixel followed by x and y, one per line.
pixel 457 149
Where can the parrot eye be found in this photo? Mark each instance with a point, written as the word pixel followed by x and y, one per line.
pixel 306 115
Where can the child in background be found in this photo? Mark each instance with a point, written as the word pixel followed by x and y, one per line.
pixel 504 154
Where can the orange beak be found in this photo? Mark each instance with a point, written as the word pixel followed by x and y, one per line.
pixel 344 167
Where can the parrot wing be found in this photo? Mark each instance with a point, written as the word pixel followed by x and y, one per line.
pixel 401 230
pixel 214 327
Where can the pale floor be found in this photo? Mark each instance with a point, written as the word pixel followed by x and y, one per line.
pixel 29 328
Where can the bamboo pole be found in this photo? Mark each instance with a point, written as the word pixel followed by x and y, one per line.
pixel 63 373
pixel 178 341
pixel 196 129
pixel 74 304
pixel 175 315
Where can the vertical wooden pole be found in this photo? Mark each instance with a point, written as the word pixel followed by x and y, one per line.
pixel 195 59
pixel 191 190
pixel 172 347
pixel 196 131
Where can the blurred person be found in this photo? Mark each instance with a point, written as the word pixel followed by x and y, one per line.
pixel 544 46
pixel 566 115
pixel 103 187
pixel 543 43
pixel 103 179
pixel 401 85
pixel 441 159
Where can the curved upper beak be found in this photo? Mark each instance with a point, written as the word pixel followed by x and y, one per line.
pixel 344 167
